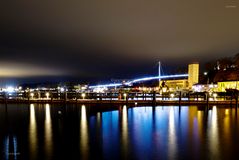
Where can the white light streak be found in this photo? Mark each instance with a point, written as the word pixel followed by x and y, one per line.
pixel 139 80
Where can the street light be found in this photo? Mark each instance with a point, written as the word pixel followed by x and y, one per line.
pixel 125 95
pixel 47 95
pixel 62 89
pixel 10 89
pixel 171 95
pixel 164 89
pixel 214 95
pixel 32 94
pixel 83 95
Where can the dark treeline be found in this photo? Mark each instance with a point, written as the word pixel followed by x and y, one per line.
pixel 225 65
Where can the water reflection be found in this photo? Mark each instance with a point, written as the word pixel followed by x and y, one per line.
pixel 110 134
pixel 213 134
pixel 6 148
pixel 227 129
pixel 98 117
pixel 227 112
pixel 84 133
pixel 199 126
pixel 172 137
pixel 140 132
pixel 33 133
pixel 10 148
pixel 48 132
pixel 124 132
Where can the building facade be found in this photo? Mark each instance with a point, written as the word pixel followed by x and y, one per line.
pixel 193 74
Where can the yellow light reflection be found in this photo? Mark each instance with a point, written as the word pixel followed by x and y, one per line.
pixel 226 111
pixel 84 133
pixel 32 133
pixel 48 131
pixel 124 131
pixel 200 124
pixel 227 128
pixel 172 136
pixel 213 134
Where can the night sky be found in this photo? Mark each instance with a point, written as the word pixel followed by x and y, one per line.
pixel 103 39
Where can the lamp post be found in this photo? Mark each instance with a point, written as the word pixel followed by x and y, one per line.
pixel 32 94
pixel 172 95
pixel 47 95
pixel 164 89
pixel 125 96
pixel 214 96
pixel 83 95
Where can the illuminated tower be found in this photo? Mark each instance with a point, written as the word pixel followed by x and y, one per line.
pixel 193 74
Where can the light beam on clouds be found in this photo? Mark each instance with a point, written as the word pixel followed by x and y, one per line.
pixel 25 70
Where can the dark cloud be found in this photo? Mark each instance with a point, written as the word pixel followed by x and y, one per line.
pixel 104 39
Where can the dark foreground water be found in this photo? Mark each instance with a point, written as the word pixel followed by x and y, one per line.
pixel 42 132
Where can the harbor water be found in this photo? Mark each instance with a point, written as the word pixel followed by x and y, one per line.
pixel 45 131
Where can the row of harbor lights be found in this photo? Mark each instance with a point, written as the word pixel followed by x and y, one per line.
pixel 171 95
pixel 48 94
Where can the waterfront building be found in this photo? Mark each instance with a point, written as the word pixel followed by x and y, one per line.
pixel 183 83
pixel 175 84
pixel 222 86
pixel 216 87
pixel 193 74
pixel 227 79
pixel 220 81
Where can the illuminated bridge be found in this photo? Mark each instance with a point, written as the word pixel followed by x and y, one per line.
pixel 139 80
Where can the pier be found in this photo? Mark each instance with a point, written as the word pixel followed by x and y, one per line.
pixel 131 98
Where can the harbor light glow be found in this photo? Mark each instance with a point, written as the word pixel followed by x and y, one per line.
pixel 99 90
pixel 10 89
pixel 83 95
pixel 47 95
pixel 32 94
pixel 164 89
pixel 214 95
pixel 62 89
pixel 171 95
pixel 125 95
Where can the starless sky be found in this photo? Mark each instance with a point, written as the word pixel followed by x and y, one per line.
pixel 103 39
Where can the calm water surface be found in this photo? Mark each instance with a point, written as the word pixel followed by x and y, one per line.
pixel 38 131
